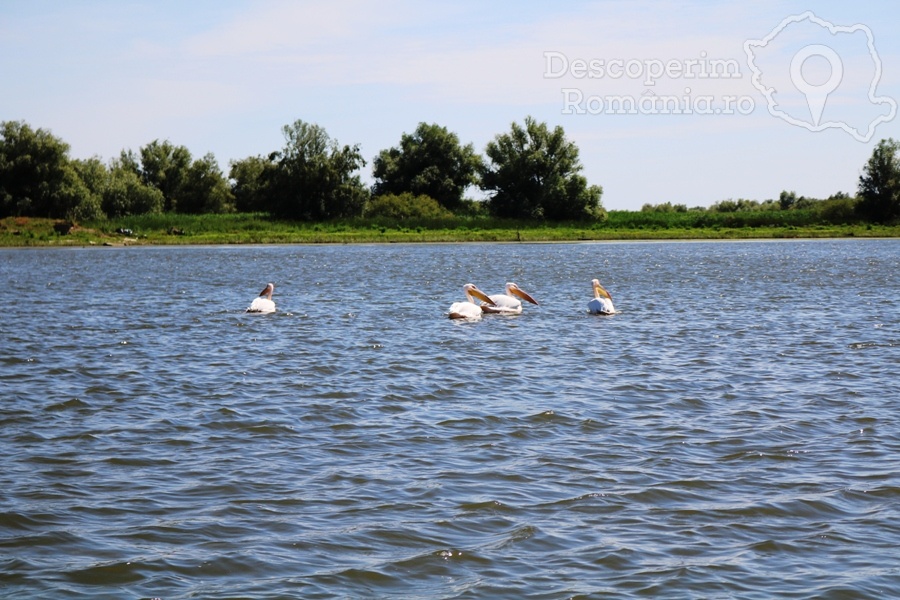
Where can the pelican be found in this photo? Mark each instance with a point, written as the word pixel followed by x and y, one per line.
pixel 469 310
pixel 602 302
pixel 263 303
pixel 508 303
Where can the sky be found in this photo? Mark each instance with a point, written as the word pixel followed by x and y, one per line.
pixel 684 102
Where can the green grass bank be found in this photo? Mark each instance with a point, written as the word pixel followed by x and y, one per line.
pixel 179 229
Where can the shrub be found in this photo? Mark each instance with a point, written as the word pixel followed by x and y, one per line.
pixel 406 206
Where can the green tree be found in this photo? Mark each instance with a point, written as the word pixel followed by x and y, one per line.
pixel 315 178
pixel 429 162
pixel 665 207
pixel 204 189
pixel 93 173
pixel 786 199
pixel 739 205
pixel 128 160
pixel 879 184
pixel 125 194
pixel 534 172
pixel 248 183
pixel 92 177
pixel 36 177
pixel 164 166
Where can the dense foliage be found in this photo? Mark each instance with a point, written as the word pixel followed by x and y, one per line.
pixel 313 178
pixel 531 174
pixel 429 162
pixel 879 184
pixel 405 206
pixel 36 176
pixel 534 173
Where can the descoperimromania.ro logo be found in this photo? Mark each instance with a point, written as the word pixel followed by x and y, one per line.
pixel 818 76
pixel 812 74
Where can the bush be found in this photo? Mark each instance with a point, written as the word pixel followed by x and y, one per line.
pixel 406 206
pixel 838 211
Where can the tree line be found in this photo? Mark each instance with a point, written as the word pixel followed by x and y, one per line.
pixel 877 199
pixel 531 172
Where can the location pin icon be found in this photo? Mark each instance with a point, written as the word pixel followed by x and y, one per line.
pixel 816 95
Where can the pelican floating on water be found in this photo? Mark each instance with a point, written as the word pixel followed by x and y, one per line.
pixel 508 303
pixel 263 303
pixel 469 310
pixel 602 302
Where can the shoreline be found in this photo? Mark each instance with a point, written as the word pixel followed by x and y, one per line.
pixel 33 232
pixel 366 242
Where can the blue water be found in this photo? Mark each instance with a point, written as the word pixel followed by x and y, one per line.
pixel 734 432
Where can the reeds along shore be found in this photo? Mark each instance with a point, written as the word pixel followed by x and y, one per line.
pixel 178 229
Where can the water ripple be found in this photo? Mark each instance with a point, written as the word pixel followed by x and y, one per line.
pixel 723 436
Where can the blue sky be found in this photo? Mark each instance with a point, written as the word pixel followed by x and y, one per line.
pixel 223 77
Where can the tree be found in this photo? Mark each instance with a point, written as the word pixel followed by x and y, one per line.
pixel 739 205
pixel 315 178
pixel 248 183
pixel 879 184
pixel 92 179
pixel 125 194
pixel 36 178
pixel 128 160
pixel 665 207
pixel 204 189
pixel 165 167
pixel 429 162
pixel 787 200
pixel 534 173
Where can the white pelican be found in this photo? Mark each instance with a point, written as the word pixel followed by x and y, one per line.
pixel 602 302
pixel 263 303
pixel 508 303
pixel 469 310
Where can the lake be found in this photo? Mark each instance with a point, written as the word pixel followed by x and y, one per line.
pixel 733 432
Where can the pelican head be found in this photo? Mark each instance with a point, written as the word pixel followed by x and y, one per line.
pixel 473 292
pixel 267 291
pixel 468 310
pixel 599 290
pixel 514 290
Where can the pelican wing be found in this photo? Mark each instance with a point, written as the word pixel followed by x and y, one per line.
pixel 601 306
pixel 261 305
pixel 509 303
pixel 504 302
pixel 464 310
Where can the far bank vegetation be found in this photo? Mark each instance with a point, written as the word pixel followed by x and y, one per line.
pixel 530 177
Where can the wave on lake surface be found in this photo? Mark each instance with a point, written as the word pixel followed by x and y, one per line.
pixel 732 432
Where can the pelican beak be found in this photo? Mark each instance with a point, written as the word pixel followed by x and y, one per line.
pixel 482 296
pixel 524 295
pixel 599 290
